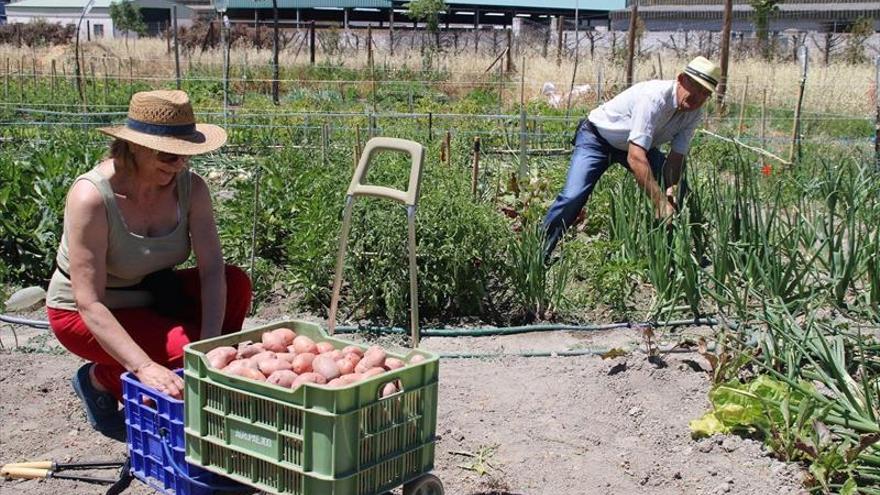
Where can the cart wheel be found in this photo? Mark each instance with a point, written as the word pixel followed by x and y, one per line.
pixel 426 485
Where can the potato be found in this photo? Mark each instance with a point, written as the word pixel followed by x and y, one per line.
pixel 221 356
pixel 324 347
pixel 393 364
pixel 374 357
pixel 418 358
pixel 353 349
pixel 302 363
pixel 325 366
pixel 345 366
pixel 263 355
pixel 354 358
pixel 287 356
pixel 233 366
pixel 336 383
pixel 336 354
pixel 287 334
pixel 269 366
pixel 274 342
pixel 344 380
pixel 390 388
pixel 374 372
pixel 282 378
pixel 246 350
pixel 247 372
pixel 302 344
pixel 308 378
pixel 352 378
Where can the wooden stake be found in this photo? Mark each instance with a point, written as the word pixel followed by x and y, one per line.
pixel 742 108
pixel 475 167
pixel 725 54
pixel 795 152
pixel 176 46
pixel 430 126
pixel 877 112
pixel 631 45
pixel 508 63
pixel 106 81
pixel 660 65
pixel 54 76
pixel 370 47
pixel 560 28
pixel 764 119
pixel 325 137
pixel 447 144
pixel 312 42
pixel 357 145
pixel 391 30
pixel 276 47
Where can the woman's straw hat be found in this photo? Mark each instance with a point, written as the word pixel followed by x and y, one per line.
pixel 164 121
pixel 704 72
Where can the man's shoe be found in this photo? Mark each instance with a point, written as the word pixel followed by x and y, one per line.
pixel 102 409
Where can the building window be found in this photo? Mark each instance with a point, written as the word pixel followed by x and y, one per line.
pixel 99 30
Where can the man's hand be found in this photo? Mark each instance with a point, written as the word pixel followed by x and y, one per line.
pixel 671 195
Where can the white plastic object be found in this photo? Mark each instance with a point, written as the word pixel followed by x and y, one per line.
pixel 25 298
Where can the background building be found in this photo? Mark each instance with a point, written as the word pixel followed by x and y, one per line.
pixel 706 15
pixel 97 23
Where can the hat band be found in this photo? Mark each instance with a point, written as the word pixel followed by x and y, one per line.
pixel 694 72
pixel 161 129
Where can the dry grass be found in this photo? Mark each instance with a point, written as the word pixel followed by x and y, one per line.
pixel 835 89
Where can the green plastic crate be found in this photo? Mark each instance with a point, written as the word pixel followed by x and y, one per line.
pixel 313 440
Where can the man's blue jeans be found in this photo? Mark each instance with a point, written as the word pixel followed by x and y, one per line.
pixel 590 159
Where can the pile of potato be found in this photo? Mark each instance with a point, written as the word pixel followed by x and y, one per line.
pixel 289 360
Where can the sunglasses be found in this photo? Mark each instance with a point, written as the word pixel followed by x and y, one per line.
pixel 169 157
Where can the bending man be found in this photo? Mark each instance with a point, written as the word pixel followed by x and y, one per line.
pixel 629 129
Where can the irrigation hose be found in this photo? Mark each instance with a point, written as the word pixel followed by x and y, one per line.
pixel 484 332
pixel 493 331
pixel 22 321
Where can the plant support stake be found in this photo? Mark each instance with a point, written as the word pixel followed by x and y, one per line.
pixel 475 172
pixel 176 47
pixel 877 112
pixel 795 153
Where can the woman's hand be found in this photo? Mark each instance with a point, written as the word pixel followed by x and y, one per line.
pixel 160 378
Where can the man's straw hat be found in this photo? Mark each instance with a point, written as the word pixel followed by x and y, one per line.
pixel 164 121
pixel 704 72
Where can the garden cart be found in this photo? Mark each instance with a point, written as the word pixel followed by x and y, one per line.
pixel 315 440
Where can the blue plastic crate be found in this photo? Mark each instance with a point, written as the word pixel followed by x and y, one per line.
pixel 159 422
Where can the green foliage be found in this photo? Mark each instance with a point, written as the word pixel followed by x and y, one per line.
pixel 763 9
pixel 428 11
pixel 607 276
pixel 33 184
pixel 856 42
pixel 126 16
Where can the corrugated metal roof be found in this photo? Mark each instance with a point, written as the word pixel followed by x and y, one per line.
pixel 551 4
pixel 309 4
pixel 469 4
pixel 56 4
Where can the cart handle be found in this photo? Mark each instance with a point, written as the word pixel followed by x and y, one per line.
pixel 416 152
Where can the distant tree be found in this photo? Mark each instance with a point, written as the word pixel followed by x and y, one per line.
pixel 861 30
pixel 761 19
pixel 429 12
pixel 126 16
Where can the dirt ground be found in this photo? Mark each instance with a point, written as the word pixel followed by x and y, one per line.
pixel 507 425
